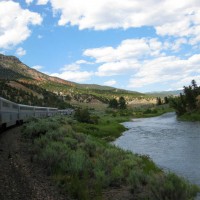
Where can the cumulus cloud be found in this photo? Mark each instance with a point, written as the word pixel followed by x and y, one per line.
pixel 76 76
pixel 169 70
pixel 71 67
pixel 14 23
pixel 20 52
pixel 42 2
pixel 117 68
pixel 180 18
pixel 80 62
pixel 110 82
pixel 146 62
pixel 37 67
pixel 124 58
pixel 73 73
pixel 29 1
pixel 128 49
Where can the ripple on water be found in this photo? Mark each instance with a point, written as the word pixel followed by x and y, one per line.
pixel 172 144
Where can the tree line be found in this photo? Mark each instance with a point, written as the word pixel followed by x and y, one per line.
pixel 48 99
pixel 121 103
pixel 188 101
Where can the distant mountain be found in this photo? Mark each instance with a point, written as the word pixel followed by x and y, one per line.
pixel 165 93
pixel 106 88
pixel 17 76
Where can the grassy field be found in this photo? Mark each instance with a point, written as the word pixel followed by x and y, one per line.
pixel 83 164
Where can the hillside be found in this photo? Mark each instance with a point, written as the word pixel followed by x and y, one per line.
pixel 33 87
pixel 12 68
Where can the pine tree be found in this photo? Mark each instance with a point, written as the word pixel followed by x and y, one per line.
pixel 113 103
pixel 159 102
pixel 122 103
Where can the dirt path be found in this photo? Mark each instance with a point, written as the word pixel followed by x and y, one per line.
pixel 19 179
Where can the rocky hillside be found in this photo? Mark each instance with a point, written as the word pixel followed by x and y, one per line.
pixel 33 87
pixel 11 68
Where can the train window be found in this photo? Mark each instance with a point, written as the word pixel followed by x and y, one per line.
pixel 5 104
pixel 15 107
pixel 52 109
pixel 26 108
pixel 41 109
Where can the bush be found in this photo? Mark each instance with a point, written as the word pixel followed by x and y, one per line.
pixel 82 115
pixel 84 165
pixel 173 187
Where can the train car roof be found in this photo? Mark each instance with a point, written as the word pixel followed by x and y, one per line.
pixel 22 105
pixel 8 101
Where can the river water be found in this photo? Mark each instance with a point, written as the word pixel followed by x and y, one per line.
pixel 172 144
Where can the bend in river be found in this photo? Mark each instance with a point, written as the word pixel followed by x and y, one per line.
pixel 172 144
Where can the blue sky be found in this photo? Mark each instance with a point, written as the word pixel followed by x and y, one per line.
pixel 144 46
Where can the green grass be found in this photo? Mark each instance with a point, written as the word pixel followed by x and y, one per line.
pixel 152 111
pixel 108 127
pixel 84 166
pixel 190 117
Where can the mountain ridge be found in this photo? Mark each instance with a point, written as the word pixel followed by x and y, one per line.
pixel 40 85
pixel 12 63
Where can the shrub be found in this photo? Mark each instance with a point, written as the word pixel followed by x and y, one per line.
pixel 84 165
pixel 37 128
pixel 79 163
pixel 82 115
pixel 173 187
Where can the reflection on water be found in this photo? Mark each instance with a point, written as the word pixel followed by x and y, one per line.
pixel 172 144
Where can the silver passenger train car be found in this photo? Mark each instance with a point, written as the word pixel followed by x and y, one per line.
pixel 12 113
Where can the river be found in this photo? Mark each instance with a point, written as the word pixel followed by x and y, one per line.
pixel 173 145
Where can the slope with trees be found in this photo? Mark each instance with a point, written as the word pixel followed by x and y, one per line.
pixel 187 104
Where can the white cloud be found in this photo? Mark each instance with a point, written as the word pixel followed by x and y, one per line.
pixel 75 76
pixel 185 81
pixel 128 49
pixel 79 62
pixel 110 82
pixel 169 70
pixel 168 17
pixel 175 45
pixel 124 58
pixel 73 73
pixel 14 23
pixel 37 67
pixel 117 68
pixel 71 67
pixel 29 1
pixel 20 52
pixel 146 62
pixel 42 2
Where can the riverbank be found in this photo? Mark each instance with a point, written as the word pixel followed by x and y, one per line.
pixel 87 167
pixel 152 112
pixel 109 125
pixel 172 144
pixel 190 117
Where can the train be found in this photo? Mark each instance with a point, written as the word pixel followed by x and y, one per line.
pixel 13 114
